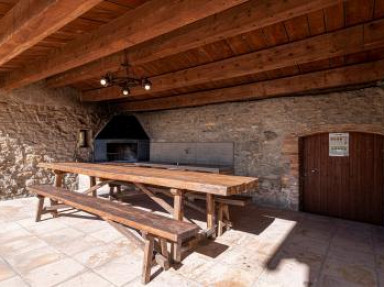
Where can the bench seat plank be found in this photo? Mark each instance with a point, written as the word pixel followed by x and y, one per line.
pixel 157 225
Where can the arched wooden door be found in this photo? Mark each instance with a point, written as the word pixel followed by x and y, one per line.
pixel 348 186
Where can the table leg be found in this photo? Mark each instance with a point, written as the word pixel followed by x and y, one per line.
pixel 92 182
pixel 178 215
pixel 211 212
pixel 178 204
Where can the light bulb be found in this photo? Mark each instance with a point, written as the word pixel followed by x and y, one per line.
pixel 125 91
pixel 104 81
pixel 147 85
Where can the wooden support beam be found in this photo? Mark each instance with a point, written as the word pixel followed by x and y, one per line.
pixel 186 203
pixel 155 198
pixel 150 20
pixel 329 79
pixel 94 187
pixel 348 41
pixel 135 239
pixel 30 21
pixel 246 17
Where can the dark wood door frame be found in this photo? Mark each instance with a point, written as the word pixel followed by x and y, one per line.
pixel 344 180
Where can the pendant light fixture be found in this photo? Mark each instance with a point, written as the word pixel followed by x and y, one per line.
pixel 127 82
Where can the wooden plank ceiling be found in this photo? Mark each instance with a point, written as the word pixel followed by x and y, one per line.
pixel 210 53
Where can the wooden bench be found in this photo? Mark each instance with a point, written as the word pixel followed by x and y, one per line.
pixel 223 217
pixel 155 230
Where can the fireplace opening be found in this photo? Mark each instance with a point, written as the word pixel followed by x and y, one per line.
pixel 122 152
pixel 123 139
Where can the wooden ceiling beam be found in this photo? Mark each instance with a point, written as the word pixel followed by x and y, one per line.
pixel 148 21
pixel 30 21
pixel 249 16
pixel 329 79
pixel 348 41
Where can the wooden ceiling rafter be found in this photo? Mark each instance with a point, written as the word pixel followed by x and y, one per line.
pixel 249 16
pixel 148 21
pixel 30 21
pixel 351 40
pixel 359 74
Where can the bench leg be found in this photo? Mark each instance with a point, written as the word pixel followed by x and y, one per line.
pixel 40 208
pixel 164 251
pixel 148 259
pixel 223 218
pixel 176 252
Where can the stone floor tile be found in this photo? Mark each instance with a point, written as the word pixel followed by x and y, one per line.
pixel 350 243
pixel 332 281
pixel 289 273
pixel 226 275
pixel 121 270
pixel 24 262
pixel 6 227
pixel 251 261
pixel 62 235
pixel 15 281
pixel 41 227
pixel 54 273
pixel 102 254
pixel 5 270
pixel 14 235
pixel 316 231
pixel 88 225
pixel 354 273
pixel 348 256
pixel 171 280
pixel 21 245
pixel 232 237
pixel 193 266
pixel 71 248
pixel 107 234
pixel 87 279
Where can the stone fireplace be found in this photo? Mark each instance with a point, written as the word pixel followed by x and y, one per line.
pixel 122 140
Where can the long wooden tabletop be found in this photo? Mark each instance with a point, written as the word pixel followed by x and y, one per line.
pixel 217 184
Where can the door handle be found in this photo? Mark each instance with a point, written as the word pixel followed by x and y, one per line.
pixel 314 170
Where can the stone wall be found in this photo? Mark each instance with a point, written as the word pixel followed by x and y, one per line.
pixel 41 125
pixel 266 132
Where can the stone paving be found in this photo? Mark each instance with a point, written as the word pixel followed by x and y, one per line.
pixel 267 247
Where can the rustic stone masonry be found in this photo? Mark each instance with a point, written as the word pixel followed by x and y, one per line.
pixel 41 125
pixel 266 133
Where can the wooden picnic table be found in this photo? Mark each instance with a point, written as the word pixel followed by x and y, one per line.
pixel 177 181
pixel 223 169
